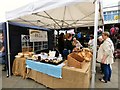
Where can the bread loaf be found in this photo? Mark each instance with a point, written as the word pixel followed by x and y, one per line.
pixel 78 57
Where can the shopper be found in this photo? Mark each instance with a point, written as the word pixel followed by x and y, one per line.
pixel 79 36
pixel 90 43
pixel 76 43
pixel 106 57
pixel 2 55
pixel 100 39
pixel 2 50
pixel 112 30
pixel 117 48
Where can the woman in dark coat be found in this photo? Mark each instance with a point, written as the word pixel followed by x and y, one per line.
pixel 61 43
pixel 68 48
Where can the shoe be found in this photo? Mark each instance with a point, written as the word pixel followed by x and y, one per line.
pixel 102 80
pixel 109 80
pixel 7 76
pixel 4 69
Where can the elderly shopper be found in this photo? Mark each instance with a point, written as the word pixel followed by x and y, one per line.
pixel 76 43
pixel 2 55
pixel 90 43
pixel 101 40
pixel 105 56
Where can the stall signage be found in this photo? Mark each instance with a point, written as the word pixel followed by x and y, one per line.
pixel 37 35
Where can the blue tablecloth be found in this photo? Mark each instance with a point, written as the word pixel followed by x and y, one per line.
pixel 52 70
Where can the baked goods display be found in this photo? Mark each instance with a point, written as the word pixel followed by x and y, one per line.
pixel 24 54
pixel 82 54
pixel 77 50
pixel 42 57
pixel 52 61
pixel 87 54
pixel 79 59
pixel 48 58
pixel 77 56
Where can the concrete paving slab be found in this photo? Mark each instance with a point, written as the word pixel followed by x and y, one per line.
pixel 0 83
pixel 0 70
pixel 114 77
pixel 9 82
pixel 24 83
pixel 38 85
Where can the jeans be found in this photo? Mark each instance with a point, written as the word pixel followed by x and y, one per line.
pixel 2 58
pixel 107 72
pixel 65 53
pixel 102 68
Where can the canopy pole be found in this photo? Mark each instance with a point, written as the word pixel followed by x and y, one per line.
pixel 33 46
pixel 95 44
pixel 103 28
pixel 8 47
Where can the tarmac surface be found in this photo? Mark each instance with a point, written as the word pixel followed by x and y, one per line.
pixel 19 82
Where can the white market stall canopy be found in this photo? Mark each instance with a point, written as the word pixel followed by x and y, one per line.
pixel 57 14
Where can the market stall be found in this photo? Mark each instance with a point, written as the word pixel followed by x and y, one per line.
pixel 40 13
pixel 71 77
pixel 72 73
pixel 62 75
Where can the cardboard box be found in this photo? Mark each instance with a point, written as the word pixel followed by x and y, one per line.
pixel 74 62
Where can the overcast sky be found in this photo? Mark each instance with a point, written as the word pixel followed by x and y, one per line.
pixel 8 5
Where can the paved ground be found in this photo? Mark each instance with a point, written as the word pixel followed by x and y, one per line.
pixel 19 82
pixel 114 79
pixel 0 76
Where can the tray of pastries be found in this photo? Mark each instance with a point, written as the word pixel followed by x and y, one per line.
pixel 54 61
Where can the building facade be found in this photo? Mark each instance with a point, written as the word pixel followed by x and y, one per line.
pixel 111 14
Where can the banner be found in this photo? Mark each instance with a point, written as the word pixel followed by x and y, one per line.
pixel 37 35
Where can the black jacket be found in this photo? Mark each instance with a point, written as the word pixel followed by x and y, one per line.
pixel 68 45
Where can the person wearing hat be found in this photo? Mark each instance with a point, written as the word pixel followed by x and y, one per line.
pixel 100 40
pixel 76 43
pixel 90 43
